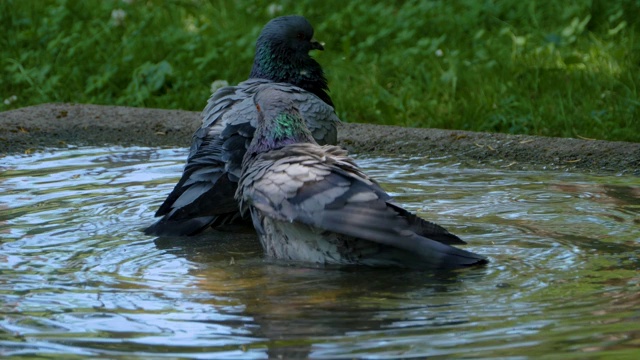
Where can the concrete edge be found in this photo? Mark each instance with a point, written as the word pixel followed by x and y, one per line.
pixel 43 126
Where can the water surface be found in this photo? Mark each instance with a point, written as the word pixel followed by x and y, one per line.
pixel 79 280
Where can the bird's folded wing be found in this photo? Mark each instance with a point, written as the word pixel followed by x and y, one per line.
pixel 297 184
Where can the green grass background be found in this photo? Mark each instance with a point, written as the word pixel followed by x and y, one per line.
pixel 553 68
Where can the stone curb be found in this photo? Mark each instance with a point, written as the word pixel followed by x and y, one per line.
pixel 59 125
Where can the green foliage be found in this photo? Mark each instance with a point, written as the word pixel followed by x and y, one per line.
pixel 525 67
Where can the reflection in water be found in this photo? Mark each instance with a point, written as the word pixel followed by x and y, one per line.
pixel 292 305
pixel 78 278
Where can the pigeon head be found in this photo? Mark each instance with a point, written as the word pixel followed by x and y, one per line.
pixel 294 33
pixel 282 55
pixel 279 121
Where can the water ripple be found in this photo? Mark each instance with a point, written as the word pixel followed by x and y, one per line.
pixel 79 279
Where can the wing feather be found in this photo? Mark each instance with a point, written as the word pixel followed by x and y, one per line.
pixel 334 195
pixel 217 149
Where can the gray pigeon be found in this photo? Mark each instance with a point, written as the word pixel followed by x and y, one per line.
pixel 312 203
pixel 204 195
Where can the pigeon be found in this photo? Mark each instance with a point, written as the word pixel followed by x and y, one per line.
pixel 204 196
pixel 311 203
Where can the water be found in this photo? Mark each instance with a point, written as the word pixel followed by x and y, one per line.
pixel 78 279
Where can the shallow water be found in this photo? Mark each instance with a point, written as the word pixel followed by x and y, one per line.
pixel 78 279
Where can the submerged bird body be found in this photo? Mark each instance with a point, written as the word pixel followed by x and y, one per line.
pixel 304 243
pixel 204 196
pixel 312 203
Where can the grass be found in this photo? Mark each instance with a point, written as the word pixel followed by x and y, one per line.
pixel 553 68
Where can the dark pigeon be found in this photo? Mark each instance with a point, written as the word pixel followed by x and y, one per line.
pixel 204 195
pixel 312 203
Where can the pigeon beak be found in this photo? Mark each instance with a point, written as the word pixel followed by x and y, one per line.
pixel 315 45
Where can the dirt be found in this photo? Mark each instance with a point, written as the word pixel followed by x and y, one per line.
pixel 35 128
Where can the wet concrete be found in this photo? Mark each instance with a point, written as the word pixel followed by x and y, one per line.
pixel 59 125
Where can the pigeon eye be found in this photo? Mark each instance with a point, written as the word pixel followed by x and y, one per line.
pixel 300 36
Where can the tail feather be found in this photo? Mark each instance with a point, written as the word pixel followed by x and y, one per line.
pixel 182 227
pixel 441 255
